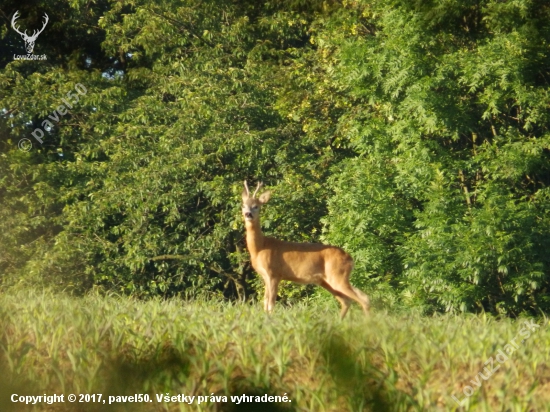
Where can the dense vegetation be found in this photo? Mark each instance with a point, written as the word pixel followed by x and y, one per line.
pixel 121 347
pixel 415 134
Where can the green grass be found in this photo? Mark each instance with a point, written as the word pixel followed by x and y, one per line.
pixel 52 343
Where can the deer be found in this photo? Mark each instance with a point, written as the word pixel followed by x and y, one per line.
pixel 303 263
pixel 29 40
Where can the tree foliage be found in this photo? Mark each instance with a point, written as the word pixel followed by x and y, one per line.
pixel 450 122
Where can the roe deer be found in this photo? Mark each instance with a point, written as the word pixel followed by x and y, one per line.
pixel 305 263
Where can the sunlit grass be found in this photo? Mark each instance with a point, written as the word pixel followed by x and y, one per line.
pixel 115 346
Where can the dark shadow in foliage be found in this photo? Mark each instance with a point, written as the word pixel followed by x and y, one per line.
pixel 11 384
pixel 167 368
pixel 366 389
pixel 126 377
pixel 171 369
pixel 362 388
pixel 122 377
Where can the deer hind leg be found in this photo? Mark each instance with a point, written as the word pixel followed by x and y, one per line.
pixel 338 273
pixel 266 295
pixel 357 295
pixel 345 302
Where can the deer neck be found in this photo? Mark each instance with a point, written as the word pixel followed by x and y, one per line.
pixel 254 236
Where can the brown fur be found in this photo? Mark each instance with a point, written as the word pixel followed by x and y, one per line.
pixel 305 263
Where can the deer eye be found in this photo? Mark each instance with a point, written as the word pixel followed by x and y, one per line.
pixel 254 207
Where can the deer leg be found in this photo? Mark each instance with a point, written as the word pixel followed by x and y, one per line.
pixel 270 284
pixel 272 294
pixel 364 298
pixel 266 295
pixel 345 302
pixel 358 296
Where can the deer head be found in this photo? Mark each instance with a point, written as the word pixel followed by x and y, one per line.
pixel 251 205
pixel 29 40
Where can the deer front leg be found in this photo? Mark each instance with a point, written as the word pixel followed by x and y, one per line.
pixel 266 295
pixel 266 288
pixel 271 293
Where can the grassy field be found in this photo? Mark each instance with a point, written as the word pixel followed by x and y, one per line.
pixel 55 344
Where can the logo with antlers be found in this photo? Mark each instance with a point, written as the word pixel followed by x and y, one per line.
pixel 29 40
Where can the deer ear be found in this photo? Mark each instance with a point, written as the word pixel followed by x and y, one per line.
pixel 265 196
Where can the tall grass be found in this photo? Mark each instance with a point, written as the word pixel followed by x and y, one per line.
pixel 53 343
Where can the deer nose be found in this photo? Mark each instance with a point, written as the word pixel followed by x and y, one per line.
pixel 248 214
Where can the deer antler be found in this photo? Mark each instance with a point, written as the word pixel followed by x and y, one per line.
pixel 257 188
pixel 248 191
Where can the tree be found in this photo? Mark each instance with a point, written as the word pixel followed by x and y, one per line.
pixel 450 122
pixel 144 198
